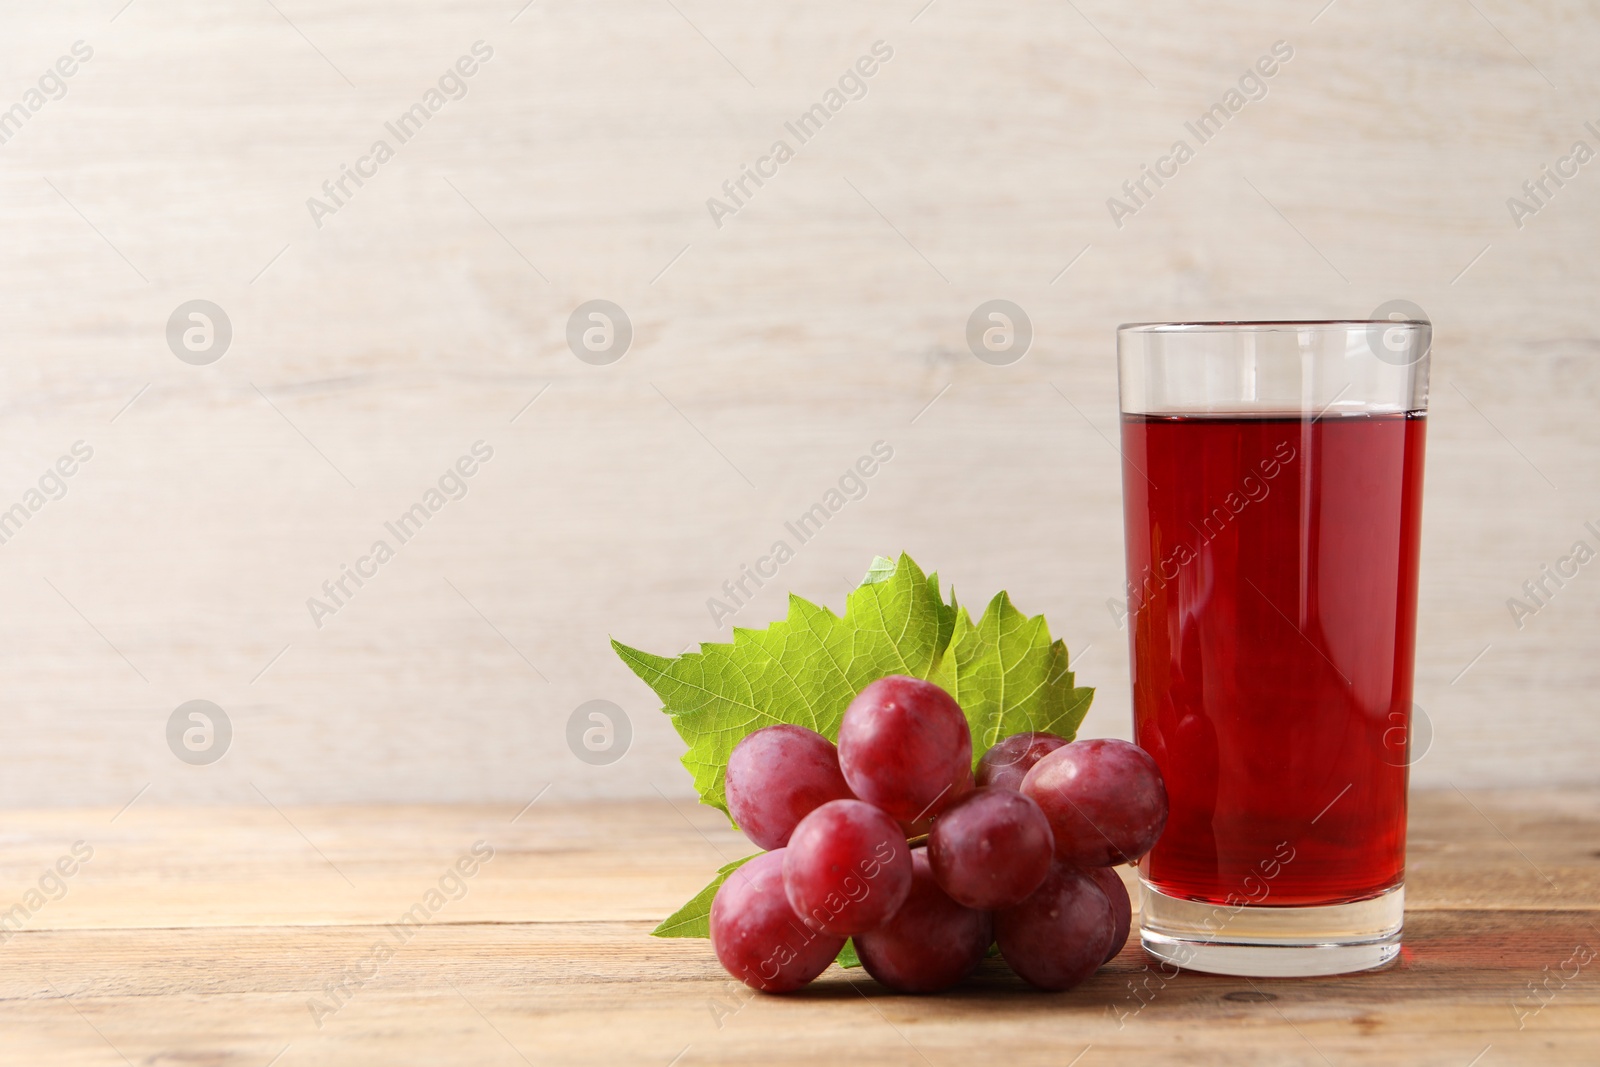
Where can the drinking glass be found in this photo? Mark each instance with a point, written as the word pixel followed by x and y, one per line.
pixel 1272 487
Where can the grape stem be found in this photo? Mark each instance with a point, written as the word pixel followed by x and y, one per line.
pixel 917 842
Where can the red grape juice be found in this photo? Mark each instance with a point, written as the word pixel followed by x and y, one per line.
pixel 1272 581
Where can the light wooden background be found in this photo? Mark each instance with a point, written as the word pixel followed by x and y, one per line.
pixel 768 354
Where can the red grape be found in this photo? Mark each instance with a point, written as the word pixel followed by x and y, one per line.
pixel 905 746
pixel 847 867
pixel 1059 935
pixel 1104 798
pixel 991 848
pixel 1011 758
pixel 930 943
pixel 779 775
pixel 1110 884
pixel 757 935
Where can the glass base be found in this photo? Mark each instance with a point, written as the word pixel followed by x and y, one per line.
pixel 1272 942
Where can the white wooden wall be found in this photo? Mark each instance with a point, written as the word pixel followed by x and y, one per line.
pixel 768 353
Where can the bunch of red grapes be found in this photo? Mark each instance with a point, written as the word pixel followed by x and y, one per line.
pixel 1019 854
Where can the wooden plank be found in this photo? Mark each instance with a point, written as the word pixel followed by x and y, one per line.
pixel 228 936
pixel 607 993
pixel 617 860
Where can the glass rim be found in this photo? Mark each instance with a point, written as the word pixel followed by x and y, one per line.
pixel 1264 325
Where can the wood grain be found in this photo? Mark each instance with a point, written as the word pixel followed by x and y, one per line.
pixel 769 353
pixel 215 939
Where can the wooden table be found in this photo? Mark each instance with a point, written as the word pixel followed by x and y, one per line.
pixel 219 936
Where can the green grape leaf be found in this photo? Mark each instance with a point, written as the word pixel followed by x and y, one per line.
pixel 804 669
pixel 883 568
pixel 1010 677
pixel 694 918
pixel 847 956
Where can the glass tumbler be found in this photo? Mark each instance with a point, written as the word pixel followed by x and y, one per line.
pixel 1272 487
